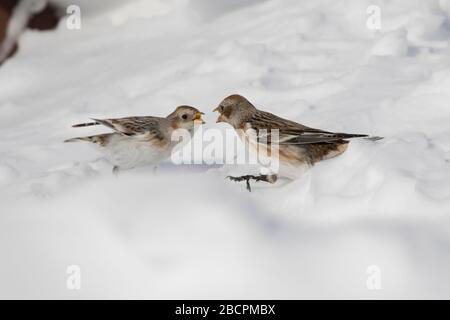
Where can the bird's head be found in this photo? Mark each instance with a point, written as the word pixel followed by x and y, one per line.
pixel 234 110
pixel 185 117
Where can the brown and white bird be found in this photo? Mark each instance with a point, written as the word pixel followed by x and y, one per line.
pixel 140 141
pixel 299 147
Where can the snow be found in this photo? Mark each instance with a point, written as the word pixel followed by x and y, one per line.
pixel 186 232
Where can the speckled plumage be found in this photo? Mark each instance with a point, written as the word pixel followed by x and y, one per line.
pixel 138 141
pixel 299 146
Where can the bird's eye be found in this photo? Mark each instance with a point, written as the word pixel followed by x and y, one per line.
pixel 184 116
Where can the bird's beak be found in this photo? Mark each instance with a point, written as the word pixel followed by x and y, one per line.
pixel 220 118
pixel 198 117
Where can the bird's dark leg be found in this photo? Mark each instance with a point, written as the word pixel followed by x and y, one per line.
pixel 272 178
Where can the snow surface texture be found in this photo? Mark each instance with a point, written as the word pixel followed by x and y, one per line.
pixel 188 233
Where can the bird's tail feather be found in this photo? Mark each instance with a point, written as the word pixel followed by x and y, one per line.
pixel 86 124
pixel 99 139
pixel 364 136
pixel 79 139
pixel 373 138
pixel 349 135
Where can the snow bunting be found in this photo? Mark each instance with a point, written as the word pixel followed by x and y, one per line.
pixel 139 141
pixel 299 147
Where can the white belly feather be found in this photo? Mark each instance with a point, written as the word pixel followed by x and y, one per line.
pixel 127 152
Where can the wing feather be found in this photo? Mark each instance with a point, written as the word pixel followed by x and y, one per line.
pixel 133 125
pixel 293 133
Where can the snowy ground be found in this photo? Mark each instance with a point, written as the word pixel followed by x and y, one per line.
pixel 188 233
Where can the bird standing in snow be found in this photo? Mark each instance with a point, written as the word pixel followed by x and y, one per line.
pixel 139 141
pixel 299 147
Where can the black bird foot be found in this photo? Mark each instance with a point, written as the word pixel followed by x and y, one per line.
pixel 262 177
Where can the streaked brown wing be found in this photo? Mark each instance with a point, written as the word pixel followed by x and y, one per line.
pixel 292 133
pixel 133 125
pixel 267 120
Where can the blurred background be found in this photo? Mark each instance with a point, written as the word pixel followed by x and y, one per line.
pixel 373 223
